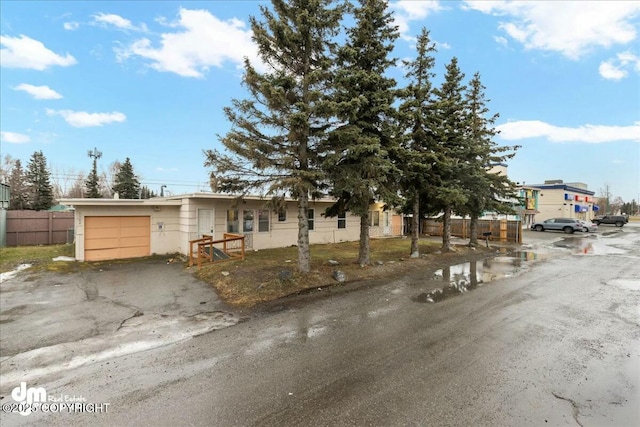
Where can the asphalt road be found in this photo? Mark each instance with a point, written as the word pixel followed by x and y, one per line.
pixel 548 336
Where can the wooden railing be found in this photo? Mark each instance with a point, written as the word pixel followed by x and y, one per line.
pixel 232 246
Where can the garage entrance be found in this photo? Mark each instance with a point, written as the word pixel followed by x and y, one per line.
pixel 116 237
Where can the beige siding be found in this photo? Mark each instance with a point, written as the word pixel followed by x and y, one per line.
pixel 552 204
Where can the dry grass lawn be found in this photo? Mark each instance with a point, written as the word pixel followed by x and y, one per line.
pixel 258 278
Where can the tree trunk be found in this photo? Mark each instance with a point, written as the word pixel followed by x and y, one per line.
pixel 304 253
pixel 473 231
pixel 415 226
pixel 446 230
pixel 363 255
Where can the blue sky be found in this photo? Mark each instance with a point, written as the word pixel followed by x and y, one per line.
pixel 149 79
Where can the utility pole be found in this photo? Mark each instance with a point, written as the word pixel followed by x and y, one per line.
pixel 92 183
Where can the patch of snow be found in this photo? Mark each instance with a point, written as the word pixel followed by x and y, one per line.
pixel 11 274
pixel 64 258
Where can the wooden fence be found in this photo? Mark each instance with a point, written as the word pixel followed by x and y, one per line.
pixel 500 229
pixel 26 228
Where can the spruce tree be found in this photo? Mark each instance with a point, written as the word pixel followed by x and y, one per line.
pixel 417 151
pixel 19 198
pixel 358 163
pixel 452 123
pixel 273 144
pixel 39 189
pixel 126 183
pixel 485 190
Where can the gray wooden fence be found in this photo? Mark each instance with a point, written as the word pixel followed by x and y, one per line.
pixel 26 228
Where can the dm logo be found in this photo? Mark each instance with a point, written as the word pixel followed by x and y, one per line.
pixel 29 396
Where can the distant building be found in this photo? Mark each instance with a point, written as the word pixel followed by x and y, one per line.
pixel 557 199
pixel 529 208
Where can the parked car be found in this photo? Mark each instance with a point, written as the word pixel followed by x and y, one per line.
pixel 588 226
pixel 617 220
pixel 568 225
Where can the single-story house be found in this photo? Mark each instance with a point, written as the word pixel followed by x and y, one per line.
pixel 129 228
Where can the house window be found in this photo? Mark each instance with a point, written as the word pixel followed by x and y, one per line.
pixel 233 225
pixel 247 221
pixel 342 220
pixel 311 216
pixel 263 220
pixel 282 215
pixel 374 218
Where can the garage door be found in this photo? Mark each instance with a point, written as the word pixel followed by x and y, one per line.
pixel 115 237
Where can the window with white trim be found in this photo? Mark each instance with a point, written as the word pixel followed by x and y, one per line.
pixel 247 221
pixel 263 220
pixel 311 216
pixel 233 223
pixel 374 218
pixel 342 220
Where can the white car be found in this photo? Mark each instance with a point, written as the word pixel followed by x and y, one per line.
pixel 588 226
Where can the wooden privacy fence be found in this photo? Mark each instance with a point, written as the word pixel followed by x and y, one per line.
pixel 26 228
pixel 500 229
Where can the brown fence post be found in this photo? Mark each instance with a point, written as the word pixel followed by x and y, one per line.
pixel 50 227
pixel 503 230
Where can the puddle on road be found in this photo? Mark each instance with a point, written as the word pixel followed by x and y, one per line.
pixel 465 277
pixel 591 245
pixel 461 278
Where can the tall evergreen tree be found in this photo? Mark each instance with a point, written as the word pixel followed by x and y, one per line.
pixel 39 182
pixel 485 190
pixel 417 153
pixel 358 164
pixel 92 183
pixel 19 199
pixel 126 183
pixel 452 119
pixel 273 144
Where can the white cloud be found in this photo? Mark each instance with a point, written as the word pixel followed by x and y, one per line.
pixel 25 52
pixel 501 41
pixel 82 119
pixel 571 28
pixel 201 41
pixel 593 134
pixel 14 138
pixel 618 68
pixel 117 21
pixel 38 92
pixel 407 11
pixel 71 26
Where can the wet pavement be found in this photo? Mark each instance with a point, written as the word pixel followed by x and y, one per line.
pixel 51 323
pixel 547 335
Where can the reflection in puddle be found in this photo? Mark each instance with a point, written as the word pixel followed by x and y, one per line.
pixel 465 277
pixel 587 246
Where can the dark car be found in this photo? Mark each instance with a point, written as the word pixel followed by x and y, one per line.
pixel 617 220
pixel 568 225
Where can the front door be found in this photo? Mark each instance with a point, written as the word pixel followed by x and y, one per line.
pixel 205 222
pixel 386 223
